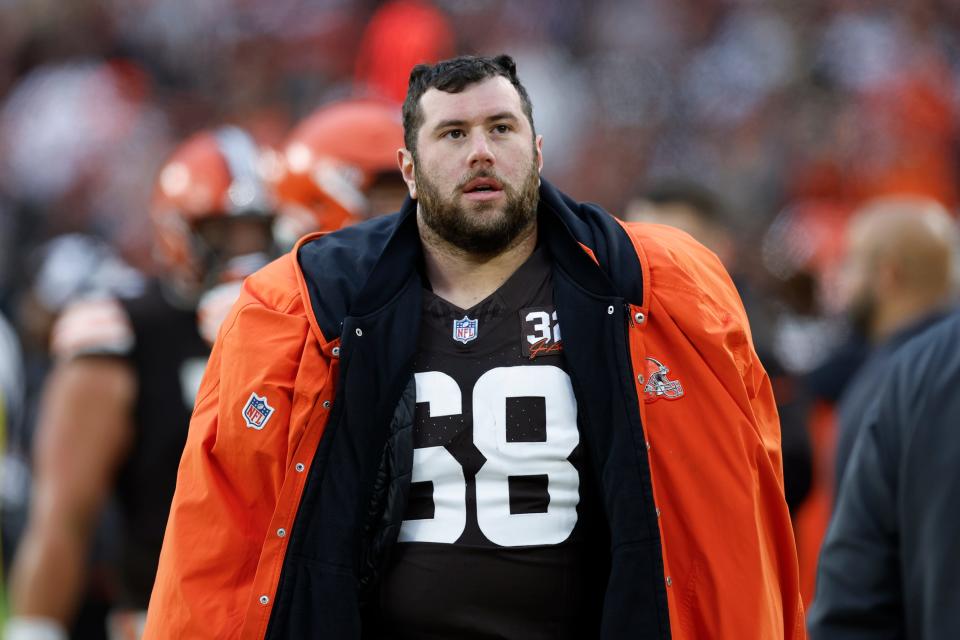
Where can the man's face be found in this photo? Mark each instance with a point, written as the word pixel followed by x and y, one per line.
pixel 477 169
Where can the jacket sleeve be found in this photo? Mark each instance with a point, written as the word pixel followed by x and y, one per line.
pixel 858 579
pixel 714 453
pixel 233 467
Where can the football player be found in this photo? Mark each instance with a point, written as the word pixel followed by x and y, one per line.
pixel 437 424
pixel 117 404
pixel 338 167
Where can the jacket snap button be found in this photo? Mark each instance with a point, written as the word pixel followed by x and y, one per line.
pixel 648 445
pixel 281 532
pixel 610 310
pixel 336 352
pixel 300 467
pixel 658 512
pixel 326 404
pixel 640 378
pixel 359 331
pixel 669 581
pixel 639 317
pixel 264 600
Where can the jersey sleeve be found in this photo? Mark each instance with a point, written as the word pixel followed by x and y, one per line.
pixel 93 327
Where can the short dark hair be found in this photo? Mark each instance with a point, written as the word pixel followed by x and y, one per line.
pixel 453 76
pixel 703 201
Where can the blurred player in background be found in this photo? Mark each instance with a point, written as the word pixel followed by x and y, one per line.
pixel 899 279
pixel 66 268
pixel 695 209
pixel 338 167
pixel 116 407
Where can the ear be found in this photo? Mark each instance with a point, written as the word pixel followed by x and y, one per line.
pixel 887 277
pixel 539 145
pixel 408 170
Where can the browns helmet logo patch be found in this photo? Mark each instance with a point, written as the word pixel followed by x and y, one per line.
pixel 657 385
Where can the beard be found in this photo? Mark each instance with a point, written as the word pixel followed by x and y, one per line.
pixel 477 228
pixel 861 313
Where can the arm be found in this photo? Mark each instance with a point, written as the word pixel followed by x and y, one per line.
pixel 82 436
pixel 715 453
pixel 232 475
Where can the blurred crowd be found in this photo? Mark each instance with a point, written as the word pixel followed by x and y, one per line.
pixel 812 145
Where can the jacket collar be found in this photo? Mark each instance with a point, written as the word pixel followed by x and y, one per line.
pixel 564 225
pixel 359 270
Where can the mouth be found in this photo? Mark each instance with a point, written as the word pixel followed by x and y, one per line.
pixel 483 189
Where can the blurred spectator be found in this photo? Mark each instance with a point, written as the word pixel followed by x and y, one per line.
pixel 400 34
pixel 695 209
pixel 900 277
pixel 890 558
pixel 79 143
pixel 117 405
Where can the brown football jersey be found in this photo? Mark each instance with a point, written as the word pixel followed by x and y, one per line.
pixel 500 535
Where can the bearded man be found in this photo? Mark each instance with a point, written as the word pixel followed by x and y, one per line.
pixel 395 439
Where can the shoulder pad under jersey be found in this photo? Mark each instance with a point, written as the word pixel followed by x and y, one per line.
pixel 93 326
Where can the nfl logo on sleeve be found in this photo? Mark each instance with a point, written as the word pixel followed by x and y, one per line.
pixel 465 329
pixel 256 412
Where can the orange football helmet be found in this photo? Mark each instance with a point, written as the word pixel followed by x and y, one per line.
pixel 215 176
pixel 332 158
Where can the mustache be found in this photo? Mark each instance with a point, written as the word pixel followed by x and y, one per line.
pixel 482 173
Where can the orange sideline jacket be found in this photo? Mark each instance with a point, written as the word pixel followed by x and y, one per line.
pixel 261 541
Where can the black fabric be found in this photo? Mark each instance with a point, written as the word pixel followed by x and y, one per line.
pixel 356 269
pixel 562 227
pixel 518 603
pixel 168 357
pixel 861 391
pixel 888 568
pixel 599 363
pixel 318 594
pixel 471 582
pixel 322 566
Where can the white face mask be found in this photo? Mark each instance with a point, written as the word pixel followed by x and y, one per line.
pixel 214 306
pixel 239 267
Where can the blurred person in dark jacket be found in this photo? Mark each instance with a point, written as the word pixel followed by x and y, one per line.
pixel 693 208
pixel 889 562
pixel 115 411
pixel 899 279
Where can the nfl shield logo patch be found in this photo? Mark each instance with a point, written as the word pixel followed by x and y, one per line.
pixel 465 329
pixel 256 412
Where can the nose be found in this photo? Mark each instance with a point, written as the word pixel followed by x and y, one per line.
pixel 480 152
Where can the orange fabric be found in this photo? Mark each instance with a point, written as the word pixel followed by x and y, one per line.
pixel 238 486
pixel 714 454
pixel 813 516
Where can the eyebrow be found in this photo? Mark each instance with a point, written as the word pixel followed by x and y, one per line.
pixel 497 117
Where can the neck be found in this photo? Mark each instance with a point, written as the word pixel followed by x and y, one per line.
pixel 463 278
pixel 901 312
